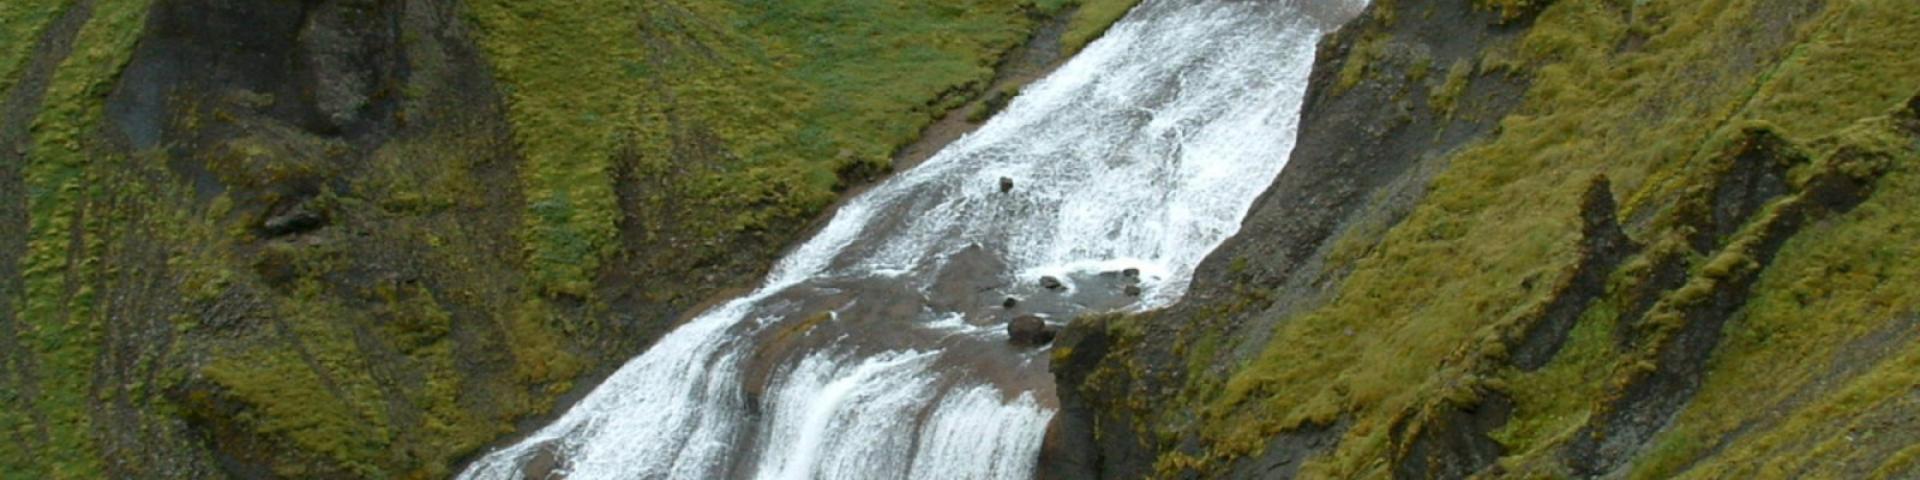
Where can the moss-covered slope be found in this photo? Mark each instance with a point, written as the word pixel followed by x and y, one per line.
pixel 1552 239
pixel 363 239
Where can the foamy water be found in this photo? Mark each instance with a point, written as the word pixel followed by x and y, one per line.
pixel 1143 152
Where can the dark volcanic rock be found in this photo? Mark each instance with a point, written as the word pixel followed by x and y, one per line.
pixel 1364 156
pixel 1051 283
pixel 1452 441
pixel 1603 246
pixel 1006 184
pixel 1009 303
pixel 1029 331
pixel 544 464
pixel 296 219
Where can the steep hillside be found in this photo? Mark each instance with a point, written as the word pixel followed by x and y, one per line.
pixel 363 239
pixel 1549 239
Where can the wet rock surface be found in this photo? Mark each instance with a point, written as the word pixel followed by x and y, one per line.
pixel 1029 331
pixel 1364 155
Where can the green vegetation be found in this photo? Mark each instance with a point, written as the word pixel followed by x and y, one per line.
pixel 61 325
pixel 752 107
pixel 414 326
pixel 1847 274
pixel 1512 9
pixel 1091 20
pixel 1425 315
pixel 21 23
pixel 1445 97
pixel 1359 63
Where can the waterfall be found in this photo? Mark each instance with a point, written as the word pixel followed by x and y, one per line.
pixel 877 349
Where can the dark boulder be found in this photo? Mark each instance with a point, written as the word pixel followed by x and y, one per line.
pixel 1029 331
pixel 1006 184
pixel 1133 290
pixel 543 464
pixel 1051 283
pixel 1009 303
pixel 297 219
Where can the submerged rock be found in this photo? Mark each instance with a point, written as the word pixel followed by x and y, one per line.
pixel 1050 283
pixel 1029 331
pixel 1132 290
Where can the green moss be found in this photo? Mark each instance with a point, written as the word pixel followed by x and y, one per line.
pixel 1422 66
pixel 1422 310
pixel 1091 20
pixel 752 107
pixel 1511 9
pixel 21 23
pixel 61 327
pixel 312 361
pixel 1857 64
pixel 1843 272
pixel 1556 400
pixel 1359 63
pixel 1444 97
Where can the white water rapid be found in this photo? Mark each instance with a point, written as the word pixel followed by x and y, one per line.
pixel 878 348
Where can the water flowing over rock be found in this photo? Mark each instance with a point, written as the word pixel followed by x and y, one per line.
pixel 879 348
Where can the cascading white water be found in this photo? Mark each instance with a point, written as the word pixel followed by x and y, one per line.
pixel 1142 152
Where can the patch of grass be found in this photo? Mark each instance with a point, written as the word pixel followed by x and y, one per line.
pixel 1091 20
pixel 1847 273
pixel 1511 9
pixel 751 105
pixel 21 23
pixel 1852 68
pixel 327 407
pixel 1444 97
pixel 61 327
pixel 1420 309
pixel 1555 401
pixel 1359 63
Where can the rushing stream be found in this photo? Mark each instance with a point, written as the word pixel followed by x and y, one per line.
pixel 878 348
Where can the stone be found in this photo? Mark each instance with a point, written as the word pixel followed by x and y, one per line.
pixel 294 220
pixel 1051 283
pixel 1133 290
pixel 1006 184
pixel 1009 303
pixel 1029 331
pixel 1130 273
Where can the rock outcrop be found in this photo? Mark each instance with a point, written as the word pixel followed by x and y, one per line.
pixel 1504 250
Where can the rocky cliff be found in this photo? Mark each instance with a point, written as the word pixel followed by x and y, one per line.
pixel 1550 239
pixel 364 239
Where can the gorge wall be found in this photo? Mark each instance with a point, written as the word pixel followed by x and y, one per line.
pixel 1548 239
pixel 365 239
pixel 1517 238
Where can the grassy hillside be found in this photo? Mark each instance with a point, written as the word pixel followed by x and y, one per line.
pixel 365 239
pixel 1761 155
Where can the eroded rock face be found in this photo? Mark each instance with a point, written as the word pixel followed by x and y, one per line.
pixel 1365 153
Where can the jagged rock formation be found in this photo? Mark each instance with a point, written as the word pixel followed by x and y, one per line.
pixel 1548 239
